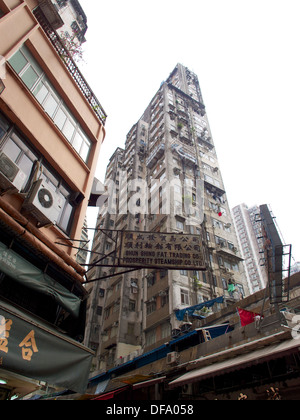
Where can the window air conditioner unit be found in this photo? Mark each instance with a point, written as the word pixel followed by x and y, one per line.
pixel 176 333
pixel 119 362
pixel 43 203
pixel 172 358
pixel 185 328
pixel 11 177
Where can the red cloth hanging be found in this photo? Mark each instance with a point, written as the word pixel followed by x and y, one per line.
pixel 247 317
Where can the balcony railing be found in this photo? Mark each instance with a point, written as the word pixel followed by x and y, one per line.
pixel 155 155
pixel 71 66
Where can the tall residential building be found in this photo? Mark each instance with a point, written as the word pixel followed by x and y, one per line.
pixel 51 131
pixel 74 20
pixel 167 179
pixel 248 227
pixel 83 245
pixel 295 267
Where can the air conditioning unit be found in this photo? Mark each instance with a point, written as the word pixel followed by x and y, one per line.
pixel 119 361
pixel 11 177
pixel 176 333
pixel 43 203
pixel 172 358
pixel 185 328
pixel 127 358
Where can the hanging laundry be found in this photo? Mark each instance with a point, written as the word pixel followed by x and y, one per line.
pixel 231 287
pixel 247 317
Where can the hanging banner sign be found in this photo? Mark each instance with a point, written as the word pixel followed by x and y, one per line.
pixel 172 251
pixel 40 353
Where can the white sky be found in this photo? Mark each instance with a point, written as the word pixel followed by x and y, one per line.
pixel 246 55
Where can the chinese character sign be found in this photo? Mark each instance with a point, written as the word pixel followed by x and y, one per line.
pixel 161 250
pixel 28 344
pixel 5 327
pixel 40 353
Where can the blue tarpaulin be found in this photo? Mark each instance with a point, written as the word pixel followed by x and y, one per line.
pixel 180 313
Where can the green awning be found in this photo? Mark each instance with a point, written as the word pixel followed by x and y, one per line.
pixel 32 349
pixel 13 265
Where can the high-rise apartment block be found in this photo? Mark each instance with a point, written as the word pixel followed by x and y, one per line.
pixel 167 179
pixel 249 229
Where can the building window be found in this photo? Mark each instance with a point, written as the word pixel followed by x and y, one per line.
pixel 132 305
pixel 150 337
pixel 56 183
pixel 35 79
pixel 215 283
pixel 4 126
pixel 163 273
pixel 151 307
pixel 165 299
pixel 241 289
pixel 224 283
pixel 106 313
pixel 62 3
pixel 116 307
pixel 151 279
pixel 183 272
pixel 220 241
pixel 179 224
pixel 231 246
pixel 130 328
pixel 19 151
pixel 184 294
pixel 217 224
pixel 165 330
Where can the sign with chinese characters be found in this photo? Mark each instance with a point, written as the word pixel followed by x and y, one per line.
pixel 41 353
pixel 171 251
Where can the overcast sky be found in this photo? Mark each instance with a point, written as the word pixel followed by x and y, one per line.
pixel 246 56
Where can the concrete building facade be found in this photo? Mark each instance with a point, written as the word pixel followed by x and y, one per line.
pixel 248 227
pixel 167 179
pixel 247 361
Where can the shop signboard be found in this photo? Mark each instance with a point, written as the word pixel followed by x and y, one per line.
pixel 172 251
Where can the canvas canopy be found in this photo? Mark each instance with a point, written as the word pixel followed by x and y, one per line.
pixel 34 350
pixel 22 271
